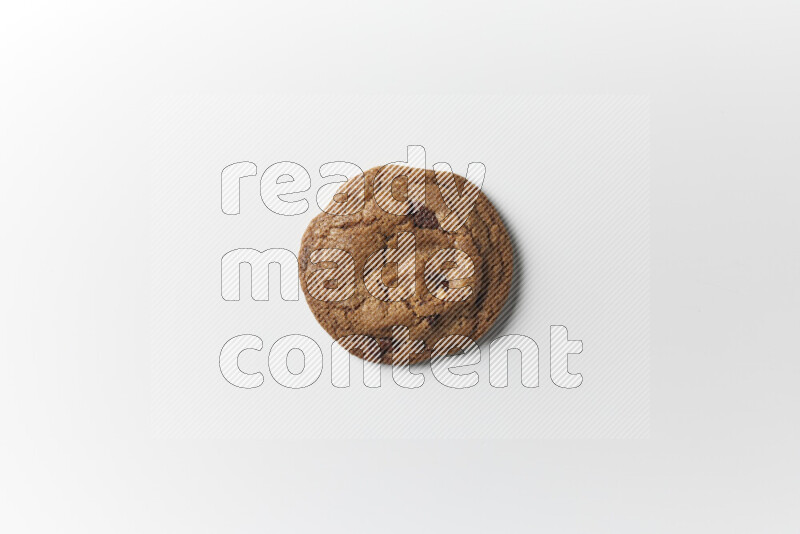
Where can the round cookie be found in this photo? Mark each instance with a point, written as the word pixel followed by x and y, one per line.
pixel 357 223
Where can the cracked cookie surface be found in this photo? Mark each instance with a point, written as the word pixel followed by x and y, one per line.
pixel 482 236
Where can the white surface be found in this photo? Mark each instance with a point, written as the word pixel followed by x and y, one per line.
pixel 569 176
pixel 76 450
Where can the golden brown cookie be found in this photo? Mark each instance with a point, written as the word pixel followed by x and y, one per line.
pixel 357 225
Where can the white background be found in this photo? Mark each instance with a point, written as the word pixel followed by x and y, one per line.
pixel 77 453
pixel 570 178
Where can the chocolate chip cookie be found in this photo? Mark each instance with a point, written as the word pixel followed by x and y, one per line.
pixel 411 248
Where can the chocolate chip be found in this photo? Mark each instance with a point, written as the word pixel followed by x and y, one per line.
pixel 434 319
pixel 440 280
pixel 425 218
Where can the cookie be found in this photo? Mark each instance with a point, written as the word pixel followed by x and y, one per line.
pixel 418 255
